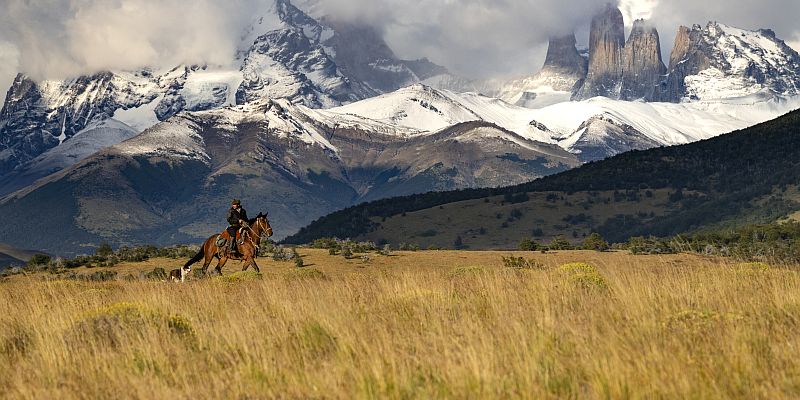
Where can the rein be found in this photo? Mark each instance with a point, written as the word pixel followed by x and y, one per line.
pixel 260 236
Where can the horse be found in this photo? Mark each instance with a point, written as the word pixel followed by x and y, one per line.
pixel 251 236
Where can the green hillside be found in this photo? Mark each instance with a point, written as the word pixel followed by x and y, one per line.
pixel 747 176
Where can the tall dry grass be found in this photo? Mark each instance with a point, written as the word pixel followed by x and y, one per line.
pixel 626 327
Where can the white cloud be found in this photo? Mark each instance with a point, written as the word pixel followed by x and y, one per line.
pixel 476 38
pixel 9 66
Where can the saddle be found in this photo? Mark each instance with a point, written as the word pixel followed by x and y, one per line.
pixel 222 238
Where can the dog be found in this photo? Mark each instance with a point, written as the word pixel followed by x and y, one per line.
pixel 179 274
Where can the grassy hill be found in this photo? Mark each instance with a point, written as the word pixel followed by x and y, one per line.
pixel 747 176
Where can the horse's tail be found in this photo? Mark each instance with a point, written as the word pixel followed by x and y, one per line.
pixel 197 257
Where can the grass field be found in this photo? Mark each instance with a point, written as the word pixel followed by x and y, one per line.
pixel 443 324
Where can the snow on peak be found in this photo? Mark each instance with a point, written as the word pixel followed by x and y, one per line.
pixel 177 138
pixel 743 63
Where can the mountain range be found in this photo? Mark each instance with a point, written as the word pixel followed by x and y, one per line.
pixel 722 182
pixel 315 115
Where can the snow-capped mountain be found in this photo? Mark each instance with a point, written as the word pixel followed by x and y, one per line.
pixel 706 63
pixel 284 53
pixel 645 125
pixel 719 61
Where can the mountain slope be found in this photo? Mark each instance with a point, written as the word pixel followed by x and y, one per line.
pixel 172 183
pixel 726 180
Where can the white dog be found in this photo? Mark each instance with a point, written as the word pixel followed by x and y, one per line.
pixel 179 274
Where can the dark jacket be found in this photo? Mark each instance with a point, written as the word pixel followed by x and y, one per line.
pixel 235 215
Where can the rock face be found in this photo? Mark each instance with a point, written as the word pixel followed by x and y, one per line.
pixel 719 61
pixel 363 55
pixel 642 68
pixel 564 71
pixel 606 45
pixel 564 66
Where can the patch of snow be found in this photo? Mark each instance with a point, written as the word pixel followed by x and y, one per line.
pixel 139 118
pixel 176 138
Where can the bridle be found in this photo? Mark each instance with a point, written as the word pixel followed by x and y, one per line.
pixel 261 224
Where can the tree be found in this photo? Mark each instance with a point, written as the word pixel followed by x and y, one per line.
pixel 458 243
pixel 528 244
pixel 595 242
pixel 104 250
pixel 560 243
pixel 39 259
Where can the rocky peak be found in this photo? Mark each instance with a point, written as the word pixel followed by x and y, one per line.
pixel 563 57
pixel 606 44
pixel 643 69
pixel 720 61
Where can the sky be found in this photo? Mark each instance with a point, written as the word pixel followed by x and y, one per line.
pixel 56 39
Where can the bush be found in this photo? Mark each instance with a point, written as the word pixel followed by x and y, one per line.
pixel 650 245
pixel 560 243
pixel 157 273
pixel 528 244
pixel 104 250
pixel 280 254
pixel 595 242
pixel 521 263
pixel 584 276
pixel 346 253
pixel 298 261
pixel 39 260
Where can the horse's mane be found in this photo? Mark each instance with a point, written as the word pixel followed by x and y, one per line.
pixel 252 221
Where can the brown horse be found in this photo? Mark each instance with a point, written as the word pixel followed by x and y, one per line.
pixel 249 237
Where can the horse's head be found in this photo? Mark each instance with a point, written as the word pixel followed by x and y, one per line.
pixel 263 223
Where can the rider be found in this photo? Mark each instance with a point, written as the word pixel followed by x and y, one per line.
pixel 237 217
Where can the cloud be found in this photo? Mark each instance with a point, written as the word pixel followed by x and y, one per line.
pixel 476 38
pixel 64 38
pixel 9 66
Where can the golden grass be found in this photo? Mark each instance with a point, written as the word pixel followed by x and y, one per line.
pixel 412 325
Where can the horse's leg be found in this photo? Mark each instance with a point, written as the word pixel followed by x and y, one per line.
pixel 220 264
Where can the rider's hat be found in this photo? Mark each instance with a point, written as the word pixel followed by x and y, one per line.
pixel 236 202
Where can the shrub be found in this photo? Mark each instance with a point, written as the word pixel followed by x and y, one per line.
pixel 157 273
pixel 595 242
pixel 583 275
pixel 280 254
pixel 104 250
pixel 346 253
pixel 101 276
pixel 528 244
pixel 325 243
pixel 649 245
pixel 521 263
pixel 39 260
pixel 560 243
